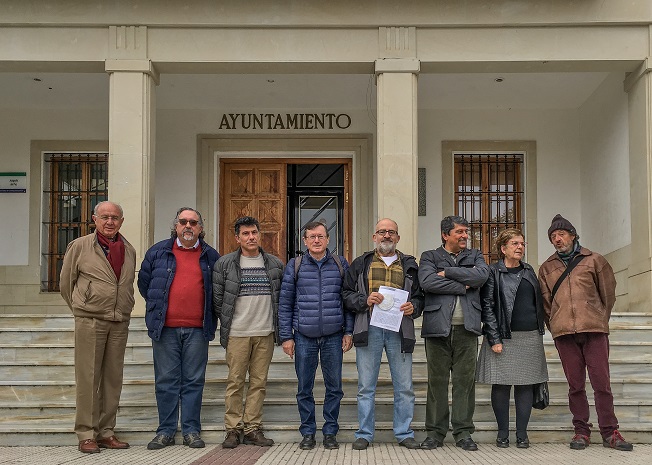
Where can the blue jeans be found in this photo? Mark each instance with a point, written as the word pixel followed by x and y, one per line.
pixel 180 358
pixel 308 351
pixel 400 367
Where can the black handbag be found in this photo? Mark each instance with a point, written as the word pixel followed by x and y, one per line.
pixel 541 398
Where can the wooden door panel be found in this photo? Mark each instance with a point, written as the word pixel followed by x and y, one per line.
pixel 256 188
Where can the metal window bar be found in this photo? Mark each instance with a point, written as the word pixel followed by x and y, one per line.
pixel 489 194
pixel 77 182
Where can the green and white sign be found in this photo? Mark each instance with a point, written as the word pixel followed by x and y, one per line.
pixel 15 182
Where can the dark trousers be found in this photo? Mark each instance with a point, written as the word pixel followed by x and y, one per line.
pixel 451 358
pixel 579 353
pixel 309 351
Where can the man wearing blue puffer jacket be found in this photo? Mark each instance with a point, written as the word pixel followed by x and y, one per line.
pixel 175 281
pixel 312 321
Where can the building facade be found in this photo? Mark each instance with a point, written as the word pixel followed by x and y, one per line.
pixel 505 112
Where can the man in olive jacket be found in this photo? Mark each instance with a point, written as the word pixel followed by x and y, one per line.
pixel 246 288
pixel 451 277
pixel 97 283
pixel 578 317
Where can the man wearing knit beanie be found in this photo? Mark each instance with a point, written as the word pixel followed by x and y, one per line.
pixel 579 292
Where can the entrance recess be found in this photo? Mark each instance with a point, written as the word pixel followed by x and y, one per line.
pixel 284 195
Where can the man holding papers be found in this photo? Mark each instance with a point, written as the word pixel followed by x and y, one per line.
pixel 371 291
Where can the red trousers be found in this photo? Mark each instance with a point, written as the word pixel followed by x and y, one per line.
pixel 580 353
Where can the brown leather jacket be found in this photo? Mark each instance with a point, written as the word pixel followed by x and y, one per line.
pixel 584 299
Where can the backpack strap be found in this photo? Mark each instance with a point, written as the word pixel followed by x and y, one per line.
pixel 338 262
pixel 297 264
pixel 566 272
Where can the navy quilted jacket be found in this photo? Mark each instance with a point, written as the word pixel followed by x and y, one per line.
pixel 155 278
pixel 313 305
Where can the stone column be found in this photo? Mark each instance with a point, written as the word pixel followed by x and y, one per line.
pixel 639 282
pixel 132 117
pixel 397 162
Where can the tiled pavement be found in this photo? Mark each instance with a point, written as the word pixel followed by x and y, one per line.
pixel 289 454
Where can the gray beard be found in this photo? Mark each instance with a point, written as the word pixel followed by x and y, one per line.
pixel 386 248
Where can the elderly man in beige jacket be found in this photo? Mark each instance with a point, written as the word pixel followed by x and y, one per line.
pixel 97 283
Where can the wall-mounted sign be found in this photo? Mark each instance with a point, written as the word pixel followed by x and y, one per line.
pixel 13 182
pixel 276 121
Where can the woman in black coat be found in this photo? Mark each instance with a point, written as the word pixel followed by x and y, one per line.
pixel 512 352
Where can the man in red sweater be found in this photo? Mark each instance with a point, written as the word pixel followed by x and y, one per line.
pixel 175 281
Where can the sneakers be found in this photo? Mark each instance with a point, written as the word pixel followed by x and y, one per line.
pixel 232 439
pixel 580 442
pixel 257 438
pixel 160 441
pixel 330 442
pixel 360 444
pixel 308 442
pixel 194 441
pixel 617 441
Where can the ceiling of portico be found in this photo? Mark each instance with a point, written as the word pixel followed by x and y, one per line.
pixel 227 92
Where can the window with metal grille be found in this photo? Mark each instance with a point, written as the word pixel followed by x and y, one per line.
pixel 75 183
pixel 489 194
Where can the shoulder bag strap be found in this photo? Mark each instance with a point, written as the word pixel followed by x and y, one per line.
pixel 568 269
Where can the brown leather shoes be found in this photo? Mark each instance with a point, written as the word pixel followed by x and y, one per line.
pixel 257 438
pixel 112 443
pixel 88 446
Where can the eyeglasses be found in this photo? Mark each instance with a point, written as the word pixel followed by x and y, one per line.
pixel 183 222
pixel 516 243
pixel 391 232
pixel 108 217
pixel 314 237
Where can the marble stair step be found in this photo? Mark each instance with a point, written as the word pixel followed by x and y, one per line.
pixel 54 370
pixel 134 391
pixel 50 432
pixel 284 409
pixel 142 352
pixel 54 336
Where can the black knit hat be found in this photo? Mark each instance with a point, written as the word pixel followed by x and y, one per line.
pixel 559 222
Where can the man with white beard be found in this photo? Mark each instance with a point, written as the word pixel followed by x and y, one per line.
pixel 384 266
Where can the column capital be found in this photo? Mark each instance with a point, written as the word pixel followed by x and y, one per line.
pixel 133 66
pixel 398 65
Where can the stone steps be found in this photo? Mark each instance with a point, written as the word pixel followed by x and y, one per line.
pixel 37 391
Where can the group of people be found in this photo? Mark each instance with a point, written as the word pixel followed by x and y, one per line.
pixel 318 307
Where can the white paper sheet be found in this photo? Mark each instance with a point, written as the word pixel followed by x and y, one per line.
pixel 387 314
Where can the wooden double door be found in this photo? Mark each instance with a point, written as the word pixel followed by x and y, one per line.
pixel 284 195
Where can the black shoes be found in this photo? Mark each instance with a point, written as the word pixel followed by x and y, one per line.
pixel 522 443
pixel 330 442
pixel 502 442
pixel 467 444
pixel 431 443
pixel 308 442
pixel 360 444
pixel 410 443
